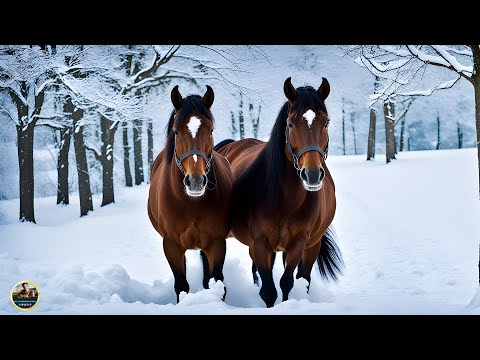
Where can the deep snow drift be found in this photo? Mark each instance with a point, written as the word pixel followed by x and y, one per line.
pixel 408 232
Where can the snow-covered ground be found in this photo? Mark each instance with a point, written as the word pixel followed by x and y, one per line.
pixel 409 233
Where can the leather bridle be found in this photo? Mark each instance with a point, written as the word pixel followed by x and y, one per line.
pixel 208 160
pixel 295 157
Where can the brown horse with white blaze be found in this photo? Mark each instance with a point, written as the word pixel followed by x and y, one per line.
pixel 284 196
pixel 190 190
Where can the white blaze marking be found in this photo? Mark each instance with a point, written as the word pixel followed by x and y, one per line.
pixel 195 158
pixel 193 125
pixel 309 116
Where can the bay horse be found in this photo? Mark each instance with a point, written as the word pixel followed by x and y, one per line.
pixel 190 190
pixel 283 196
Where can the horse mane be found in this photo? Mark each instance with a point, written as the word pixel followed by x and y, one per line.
pixel 191 103
pixel 264 180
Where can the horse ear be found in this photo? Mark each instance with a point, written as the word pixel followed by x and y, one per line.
pixel 208 97
pixel 324 89
pixel 177 99
pixel 289 90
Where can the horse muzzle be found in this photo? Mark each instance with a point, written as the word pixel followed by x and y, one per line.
pixel 195 185
pixel 312 180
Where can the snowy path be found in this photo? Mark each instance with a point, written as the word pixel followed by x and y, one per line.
pixel 409 234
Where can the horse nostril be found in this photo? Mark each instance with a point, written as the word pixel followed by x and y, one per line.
pixel 186 180
pixel 303 174
pixel 204 180
pixel 322 174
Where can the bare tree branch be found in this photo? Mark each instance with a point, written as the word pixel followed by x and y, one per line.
pixel 94 151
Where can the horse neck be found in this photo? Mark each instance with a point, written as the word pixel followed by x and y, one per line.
pixel 175 178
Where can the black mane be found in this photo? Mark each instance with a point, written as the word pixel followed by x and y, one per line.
pixel 264 180
pixel 191 104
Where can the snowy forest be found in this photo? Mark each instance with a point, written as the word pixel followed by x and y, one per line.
pixel 80 127
pixel 91 119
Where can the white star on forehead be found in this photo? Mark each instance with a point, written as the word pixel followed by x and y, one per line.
pixel 309 116
pixel 193 125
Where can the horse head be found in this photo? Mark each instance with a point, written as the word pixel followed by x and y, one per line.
pixel 306 132
pixel 193 129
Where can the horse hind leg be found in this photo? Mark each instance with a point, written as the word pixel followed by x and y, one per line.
pixel 254 273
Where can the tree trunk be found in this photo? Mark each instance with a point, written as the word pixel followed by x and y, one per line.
pixel 137 151
pixel 25 164
pixel 62 161
pixel 438 133
pixel 352 119
pixel 475 80
pixel 343 125
pixel 108 135
pixel 389 113
pixel 373 126
pixel 371 135
pixel 149 148
pixel 25 133
pixel 84 190
pixel 402 134
pixel 255 120
pixel 62 166
pixel 241 120
pixel 126 155
pixel 460 135
pixel 234 127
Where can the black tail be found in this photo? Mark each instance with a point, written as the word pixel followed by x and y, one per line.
pixel 222 144
pixel 329 260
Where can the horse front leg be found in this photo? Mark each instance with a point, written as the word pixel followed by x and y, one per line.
pixel 215 254
pixel 175 255
pixel 309 257
pixel 293 256
pixel 263 260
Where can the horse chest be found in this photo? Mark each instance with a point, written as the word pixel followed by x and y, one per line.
pixel 282 232
pixel 290 224
pixel 190 237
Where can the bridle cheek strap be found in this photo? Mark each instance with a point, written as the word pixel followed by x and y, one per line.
pixel 208 160
pixel 297 156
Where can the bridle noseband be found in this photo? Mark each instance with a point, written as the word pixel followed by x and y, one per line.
pixel 297 156
pixel 208 160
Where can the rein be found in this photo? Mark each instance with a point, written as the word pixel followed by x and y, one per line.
pixel 297 156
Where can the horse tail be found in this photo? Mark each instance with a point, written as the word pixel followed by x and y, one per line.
pixel 329 260
pixel 222 144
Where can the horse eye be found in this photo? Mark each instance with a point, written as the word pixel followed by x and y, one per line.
pixel 211 131
pixel 290 125
pixel 175 132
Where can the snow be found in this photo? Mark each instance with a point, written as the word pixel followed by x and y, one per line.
pixel 193 125
pixel 452 60
pixel 309 116
pixel 408 232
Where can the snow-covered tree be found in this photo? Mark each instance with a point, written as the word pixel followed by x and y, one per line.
pixel 26 73
pixel 407 71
